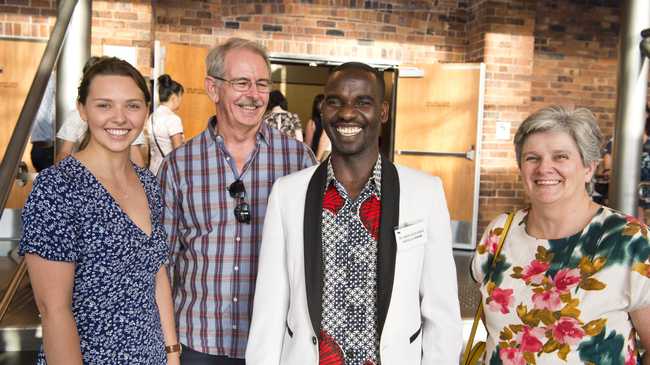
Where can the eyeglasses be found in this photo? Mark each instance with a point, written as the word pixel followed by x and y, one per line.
pixel 243 84
pixel 237 190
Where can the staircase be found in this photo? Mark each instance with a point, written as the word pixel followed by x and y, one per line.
pixel 20 330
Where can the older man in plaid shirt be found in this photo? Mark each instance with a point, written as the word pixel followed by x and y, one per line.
pixel 215 191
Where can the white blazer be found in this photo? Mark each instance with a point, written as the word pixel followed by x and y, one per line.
pixel 418 309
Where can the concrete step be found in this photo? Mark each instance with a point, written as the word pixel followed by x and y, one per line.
pixel 18 357
pixel 20 330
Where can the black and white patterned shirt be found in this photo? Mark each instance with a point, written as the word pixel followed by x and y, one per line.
pixel 350 230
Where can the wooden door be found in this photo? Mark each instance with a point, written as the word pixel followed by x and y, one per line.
pixel 18 63
pixel 186 64
pixel 437 120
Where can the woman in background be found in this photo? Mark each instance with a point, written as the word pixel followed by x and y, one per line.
pixel 278 116
pixel 572 282
pixel 314 137
pixel 164 126
pixel 93 239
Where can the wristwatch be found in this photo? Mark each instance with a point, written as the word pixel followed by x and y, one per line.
pixel 174 348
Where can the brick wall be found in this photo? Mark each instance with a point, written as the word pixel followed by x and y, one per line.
pixel 537 52
pixel 502 36
pixel 26 18
pixel 124 23
pixel 414 31
pixel 576 61
pixel 117 23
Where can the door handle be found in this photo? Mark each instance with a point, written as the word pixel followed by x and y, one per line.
pixel 470 155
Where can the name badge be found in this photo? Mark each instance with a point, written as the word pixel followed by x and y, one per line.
pixel 411 234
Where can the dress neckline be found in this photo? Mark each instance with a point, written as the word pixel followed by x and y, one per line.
pixel 138 173
pixel 578 234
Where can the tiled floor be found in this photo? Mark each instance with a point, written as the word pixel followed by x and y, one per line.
pixel 468 293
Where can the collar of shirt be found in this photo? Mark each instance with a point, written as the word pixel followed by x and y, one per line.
pixel 261 140
pixel 374 180
pixel 261 136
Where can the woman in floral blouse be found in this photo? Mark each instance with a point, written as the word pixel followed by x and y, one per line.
pixel 572 282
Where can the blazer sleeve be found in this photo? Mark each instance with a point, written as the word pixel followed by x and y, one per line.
pixel 441 321
pixel 271 301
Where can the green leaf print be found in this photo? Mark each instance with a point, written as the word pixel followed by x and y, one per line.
pixel 603 351
pixel 495 359
pixel 638 250
pixel 605 237
pixel 495 275
pixel 563 254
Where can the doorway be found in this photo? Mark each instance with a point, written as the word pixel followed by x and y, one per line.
pixel 300 80
pixel 439 119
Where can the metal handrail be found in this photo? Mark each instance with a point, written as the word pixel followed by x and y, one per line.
pixel 20 136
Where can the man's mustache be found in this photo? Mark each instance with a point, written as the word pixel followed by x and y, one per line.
pixel 249 101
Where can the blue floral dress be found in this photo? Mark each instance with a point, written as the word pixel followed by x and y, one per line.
pixel 70 217
pixel 564 301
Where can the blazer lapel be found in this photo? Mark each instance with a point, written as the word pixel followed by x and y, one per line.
pixel 312 244
pixel 387 247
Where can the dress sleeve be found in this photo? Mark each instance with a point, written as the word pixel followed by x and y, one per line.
pixel 485 249
pixel 640 278
pixel 49 227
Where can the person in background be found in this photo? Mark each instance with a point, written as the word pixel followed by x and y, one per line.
pixel 314 137
pixel 93 238
pixel 602 176
pixel 42 137
pixel 572 281
pixel 280 118
pixel 356 264
pixel 73 134
pixel 164 126
pixel 216 188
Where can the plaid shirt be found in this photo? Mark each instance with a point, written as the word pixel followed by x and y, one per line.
pixel 213 261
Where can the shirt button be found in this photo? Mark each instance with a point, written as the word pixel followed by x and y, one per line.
pixel 313 340
pixel 236 268
pixel 238 239
pixel 234 326
pixel 234 299
pixel 227 158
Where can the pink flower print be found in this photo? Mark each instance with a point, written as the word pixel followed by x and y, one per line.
pixel 530 339
pixel 512 356
pixel 566 279
pixel 491 242
pixel 534 273
pixel 501 300
pixel 567 330
pixel 631 359
pixel 632 219
pixel 548 299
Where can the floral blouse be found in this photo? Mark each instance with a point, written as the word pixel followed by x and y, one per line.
pixel 564 301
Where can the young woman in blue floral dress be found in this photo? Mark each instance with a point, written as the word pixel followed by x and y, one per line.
pixel 572 282
pixel 93 240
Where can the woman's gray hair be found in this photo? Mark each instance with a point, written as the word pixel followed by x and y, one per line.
pixel 216 59
pixel 578 123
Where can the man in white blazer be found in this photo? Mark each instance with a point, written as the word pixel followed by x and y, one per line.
pixel 356 264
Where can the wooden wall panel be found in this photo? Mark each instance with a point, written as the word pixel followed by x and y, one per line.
pixel 18 62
